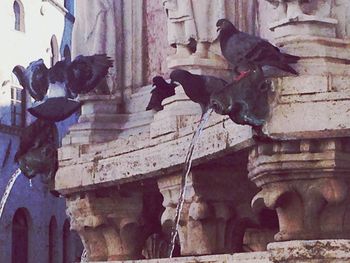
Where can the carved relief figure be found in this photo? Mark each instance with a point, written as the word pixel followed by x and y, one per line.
pixel 95 32
pixel 291 8
pixel 341 11
pixel 191 25
pixel 294 8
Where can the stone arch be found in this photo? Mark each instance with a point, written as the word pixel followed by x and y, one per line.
pixel 53 237
pixel 18 11
pixel 66 242
pixel 20 236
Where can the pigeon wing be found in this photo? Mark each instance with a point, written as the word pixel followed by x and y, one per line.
pixel 39 81
pixel 19 73
pixel 34 78
pixel 213 84
pixel 86 72
pixel 263 51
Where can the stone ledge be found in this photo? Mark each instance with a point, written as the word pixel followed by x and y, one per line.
pixel 332 251
pixel 252 257
pixel 123 161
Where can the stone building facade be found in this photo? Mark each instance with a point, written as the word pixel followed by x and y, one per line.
pixel 285 200
pixel 34 227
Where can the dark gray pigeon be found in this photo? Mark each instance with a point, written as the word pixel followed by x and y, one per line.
pixel 197 87
pixel 56 88
pixel 161 91
pixel 34 78
pixel 84 73
pixel 246 51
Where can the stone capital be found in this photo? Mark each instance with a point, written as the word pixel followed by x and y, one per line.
pixel 216 211
pixel 109 223
pixel 307 183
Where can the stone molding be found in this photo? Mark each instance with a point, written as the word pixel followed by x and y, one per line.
pixel 307 183
pixel 332 251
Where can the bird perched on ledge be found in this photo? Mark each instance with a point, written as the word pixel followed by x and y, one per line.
pixel 245 51
pixel 55 89
pixel 161 91
pixel 198 87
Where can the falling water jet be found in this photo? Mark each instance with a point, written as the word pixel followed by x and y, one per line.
pixel 8 189
pixel 84 256
pixel 185 173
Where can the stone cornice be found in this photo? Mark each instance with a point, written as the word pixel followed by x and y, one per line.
pixel 126 160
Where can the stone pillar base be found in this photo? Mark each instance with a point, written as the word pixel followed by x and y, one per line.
pixel 330 251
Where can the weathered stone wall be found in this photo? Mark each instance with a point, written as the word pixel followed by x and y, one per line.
pixel 301 171
pixel 157 44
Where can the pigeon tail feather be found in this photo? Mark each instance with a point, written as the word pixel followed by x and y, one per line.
pixel 285 67
pixel 290 59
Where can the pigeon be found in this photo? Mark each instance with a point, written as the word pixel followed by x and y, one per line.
pixel 248 51
pixel 55 90
pixel 37 152
pixel 161 91
pixel 84 73
pixel 197 87
pixel 34 78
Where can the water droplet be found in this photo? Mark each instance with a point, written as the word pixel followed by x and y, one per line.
pixel 30 183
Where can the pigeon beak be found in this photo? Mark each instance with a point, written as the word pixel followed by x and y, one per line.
pixel 218 29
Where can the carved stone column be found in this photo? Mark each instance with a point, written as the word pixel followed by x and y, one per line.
pixel 307 183
pixel 109 224
pixel 214 205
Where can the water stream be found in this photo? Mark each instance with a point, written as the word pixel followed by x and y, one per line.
pixel 185 173
pixel 8 189
pixel 83 257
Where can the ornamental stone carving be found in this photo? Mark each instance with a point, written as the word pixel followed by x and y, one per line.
pixel 109 224
pixel 307 183
pixel 303 17
pixel 95 32
pixel 215 215
pixel 191 25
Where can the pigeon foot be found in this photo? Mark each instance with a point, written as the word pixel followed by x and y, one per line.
pixel 242 75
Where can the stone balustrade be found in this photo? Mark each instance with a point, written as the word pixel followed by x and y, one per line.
pixel 282 200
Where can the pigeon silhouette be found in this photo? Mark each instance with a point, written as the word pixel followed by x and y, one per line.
pixel 84 73
pixel 34 78
pixel 198 87
pixel 161 91
pixel 55 89
pixel 246 51
pixel 37 152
